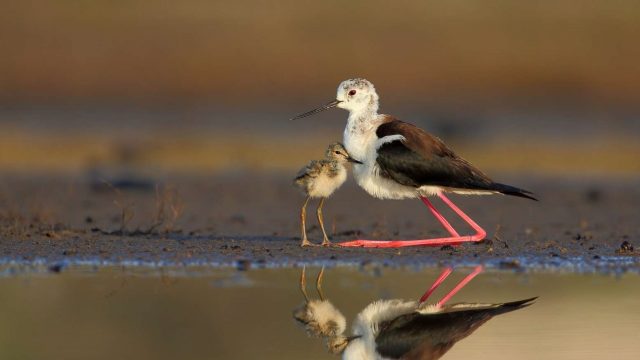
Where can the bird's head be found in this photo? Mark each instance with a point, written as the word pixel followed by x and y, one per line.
pixel 320 318
pixel 336 151
pixel 357 95
pixel 354 95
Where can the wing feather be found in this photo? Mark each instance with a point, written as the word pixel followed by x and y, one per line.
pixel 429 336
pixel 421 159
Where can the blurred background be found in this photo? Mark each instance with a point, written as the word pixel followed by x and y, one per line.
pixel 126 94
pixel 538 87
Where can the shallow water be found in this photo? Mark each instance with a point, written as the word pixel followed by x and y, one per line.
pixel 133 313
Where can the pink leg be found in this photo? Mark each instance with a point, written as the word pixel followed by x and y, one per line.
pixel 446 272
pixel 464 216
pixel 439 216
pixel 455 239
pixel 460 285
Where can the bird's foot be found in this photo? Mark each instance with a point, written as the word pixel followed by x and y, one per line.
pixel 307 243
pixel 326 243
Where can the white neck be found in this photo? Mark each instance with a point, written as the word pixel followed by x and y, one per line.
pixel 361 122
pixel 361 126
pixel 363 118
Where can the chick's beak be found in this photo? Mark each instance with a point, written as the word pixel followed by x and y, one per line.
pixel 350 159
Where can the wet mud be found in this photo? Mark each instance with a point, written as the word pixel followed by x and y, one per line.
pixel 245 219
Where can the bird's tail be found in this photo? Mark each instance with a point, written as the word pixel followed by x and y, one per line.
pixel 513 305
pixel 513 191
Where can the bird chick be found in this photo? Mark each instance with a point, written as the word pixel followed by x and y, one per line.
pixel 319 317
pixel 320 179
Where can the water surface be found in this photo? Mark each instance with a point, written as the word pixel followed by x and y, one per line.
pixel 118 313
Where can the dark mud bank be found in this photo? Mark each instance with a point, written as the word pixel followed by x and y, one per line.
pixel 232 220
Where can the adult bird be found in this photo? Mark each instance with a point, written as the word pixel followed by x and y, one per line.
pixel 399 329
pixel 400 161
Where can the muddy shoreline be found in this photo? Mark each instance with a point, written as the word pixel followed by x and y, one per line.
pixel 250 220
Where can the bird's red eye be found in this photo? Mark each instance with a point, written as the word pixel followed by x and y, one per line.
pixel 352 92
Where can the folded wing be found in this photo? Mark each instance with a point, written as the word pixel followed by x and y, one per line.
pixel 413 157
pixel 431 335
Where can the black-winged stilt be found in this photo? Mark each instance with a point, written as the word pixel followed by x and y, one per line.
pixel 399 329
pixel 389 329
pixel 319 179
pixel 400 160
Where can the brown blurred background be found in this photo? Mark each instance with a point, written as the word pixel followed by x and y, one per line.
pixel 535 87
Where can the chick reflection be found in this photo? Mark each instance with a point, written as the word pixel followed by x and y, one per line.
pixel 319 317
pixel 398 329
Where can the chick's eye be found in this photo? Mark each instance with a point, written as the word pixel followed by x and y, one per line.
pixel 352 92
pixel 337 152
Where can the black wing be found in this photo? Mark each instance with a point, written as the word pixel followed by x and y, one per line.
pixel 423 159
pixel 429 336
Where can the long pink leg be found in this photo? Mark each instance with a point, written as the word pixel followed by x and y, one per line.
pixel 464 216
pixel 455 239
pixel 445 273
pixel 439 216
pixel 460 285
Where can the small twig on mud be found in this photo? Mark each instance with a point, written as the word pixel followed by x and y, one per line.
pixel 160 203
pixel 497 237
pixel 169 208
pixel 126 209
pixel 177 209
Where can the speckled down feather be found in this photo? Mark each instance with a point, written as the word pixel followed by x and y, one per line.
pixel 320 178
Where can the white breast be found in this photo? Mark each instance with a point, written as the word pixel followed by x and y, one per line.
pixel 366 326
pixel 323 186
pixel 358 350
pixel 358 139
pixel 368 177
pixel 361 142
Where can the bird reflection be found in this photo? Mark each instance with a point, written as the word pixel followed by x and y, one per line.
pixel 399 329
pixel 319 317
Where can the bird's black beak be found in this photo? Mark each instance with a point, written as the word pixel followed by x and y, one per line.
pixel 351 338
pixel 350 159
pixel 328 106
